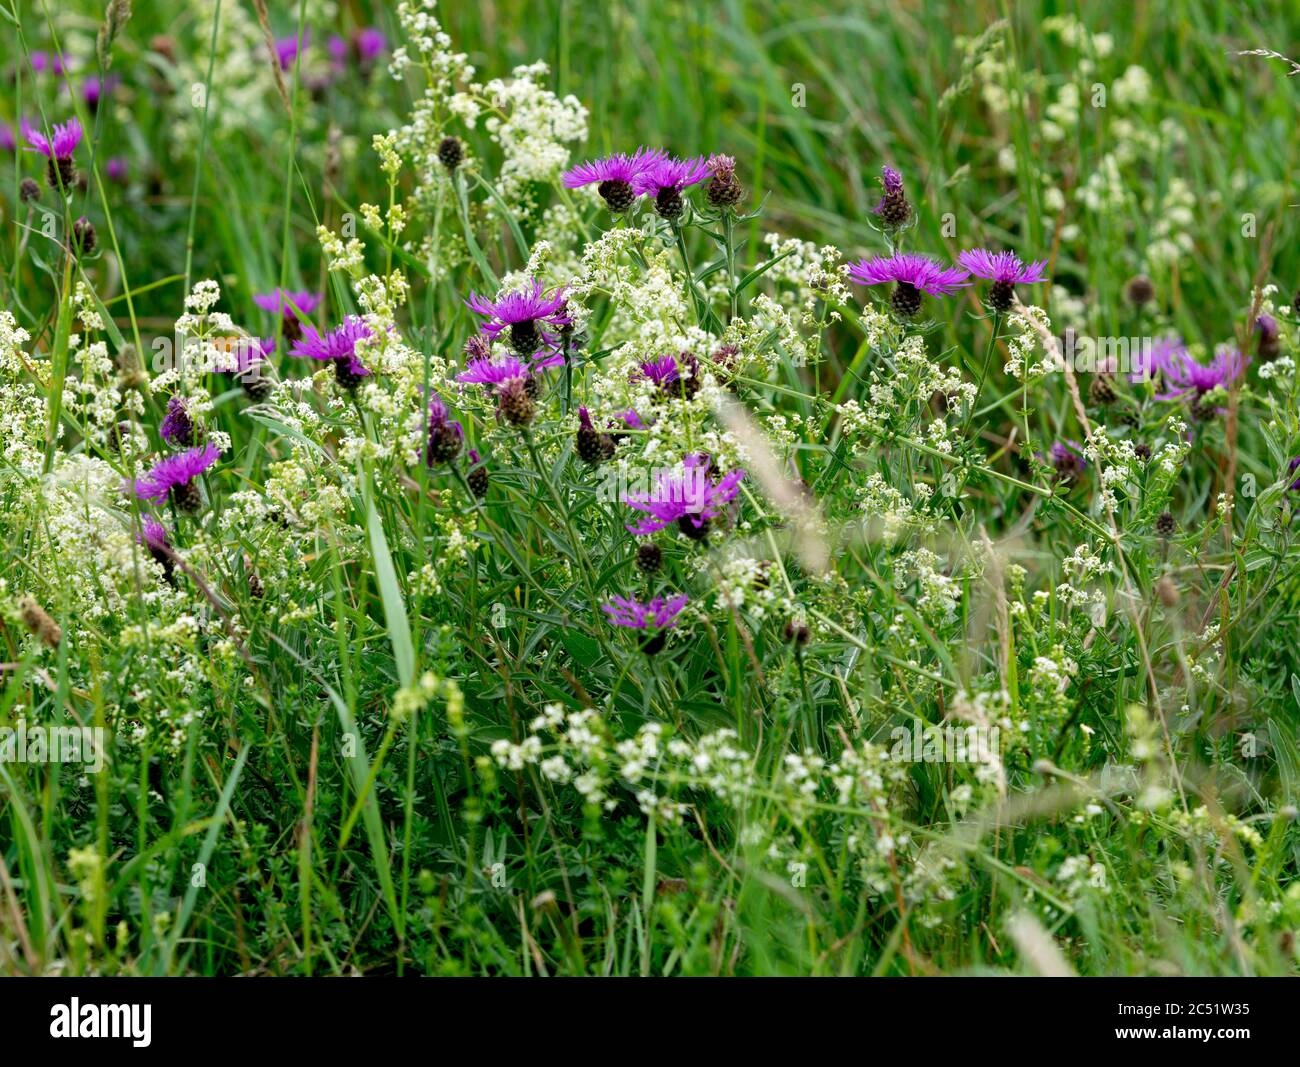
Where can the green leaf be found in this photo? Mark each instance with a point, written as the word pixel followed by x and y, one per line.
pixel 390 593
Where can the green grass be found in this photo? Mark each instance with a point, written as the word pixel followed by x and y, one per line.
pixel 302 776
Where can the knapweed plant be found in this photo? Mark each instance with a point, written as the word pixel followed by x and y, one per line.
pixel 517 523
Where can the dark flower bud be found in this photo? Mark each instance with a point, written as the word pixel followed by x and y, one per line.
pixel 797 632
pixel 1102 390
pixel 83 236
pixel 478 475
pixel 450 153
pixel 592 445
pixel 1166 527
pixel 1139 291
pixel 724 190
pixel 28 190
pixel 514 403
pixel 649 557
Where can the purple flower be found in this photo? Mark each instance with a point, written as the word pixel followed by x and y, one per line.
pixel 93 90
pixel 66 137
pixel 488 371
pixel 522 311
pixel 664 180
pixel 674 375
pixel 1185 375
pixel 287 49
pixel 116 169
pixel 7 139
pixel 174 477
pixel 288 302
pixel 632 420
pixel 177 427
pixel 909 268
pixel 614 175
pixel 337 347
pixel 153 537
pixel 445 434
pixel 913 274
pixel 1004 270
pixel 1001 267
pixel 1269 335
pixel 662 371
pixel 619 167
pixel 658 614
pixel 687 497
pixel 370 44
pixel 153 534
pixel 1292 467
pixel 669 173
pixel 1155 358
pixel 43 61
pixel 338 50
pixel 1067 457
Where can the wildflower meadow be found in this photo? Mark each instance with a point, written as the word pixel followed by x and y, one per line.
pixel 547 487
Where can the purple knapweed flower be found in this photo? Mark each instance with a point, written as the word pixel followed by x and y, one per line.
pixel 67 135
pixel 1184 376
pixel 489 371
pixel 662 371
pixel 294 307
pixel 117 170
pixel 1152 359
pixel 912 275
pixel 1068 460
pixel 664 180
pixel 287 49
pixel 527 313
pixel 338 49
pixel 1004 270
pixel 687 497
pixel 446 435
pixel 94 89
pixel 174 477
pixel 370 43
pixel 8 142
pixel 43 62
pixel 300 303
pixel 893 208
pixel 337 347
pixel 152 532
pixel 1269 335
pixel 658 614
pixel 614 176
pixel 152 536
pixel 177 427
pixel 675 376
pixel 656 618
pixel 57 150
